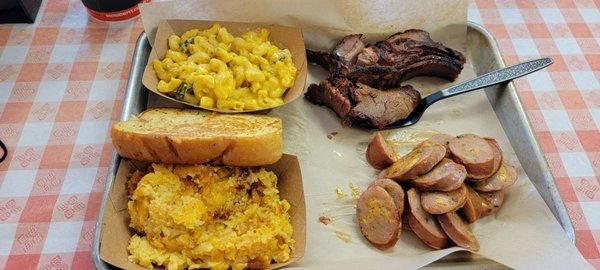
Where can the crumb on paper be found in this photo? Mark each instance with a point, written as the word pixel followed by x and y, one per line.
pixel 340 194
pixel 354 190
pixel 325 220
pixel 344 236
pixel 331 135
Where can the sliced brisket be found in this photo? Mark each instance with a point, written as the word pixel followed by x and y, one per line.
pixel 380 108
pixel 361 105
pixel 333 93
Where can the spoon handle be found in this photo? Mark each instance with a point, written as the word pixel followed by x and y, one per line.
pixel 489 79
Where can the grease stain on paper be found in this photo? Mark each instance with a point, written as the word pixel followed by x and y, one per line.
pixel 339 215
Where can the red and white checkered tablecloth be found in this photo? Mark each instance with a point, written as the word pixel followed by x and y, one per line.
pixel 62 81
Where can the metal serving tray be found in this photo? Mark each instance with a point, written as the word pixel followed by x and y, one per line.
pixel 485 56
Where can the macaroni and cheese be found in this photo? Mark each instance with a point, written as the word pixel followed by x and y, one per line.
pixel 214 69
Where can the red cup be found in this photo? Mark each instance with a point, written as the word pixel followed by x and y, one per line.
pixel 113 10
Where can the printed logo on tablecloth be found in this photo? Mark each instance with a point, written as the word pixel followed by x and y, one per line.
pixel 57 71
pixel 111 71
pixel 567 141
pixel 31 238
pixel 8 72
pixel 28 157
pixel 24 91
pixel 87 233
pixel 39 54
pixel 56 263
pixel 77 90
pixel 587 188
pixel 100 110
pixel 47 182
pixel 71 206
pixel 88 156
pixel 63 133
pixel 581 120
pixel 9 132
pixel 43 112
pixel 8 209
pixel 21 36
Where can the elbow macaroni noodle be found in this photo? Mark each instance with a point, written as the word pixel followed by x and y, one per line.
pixel 214 69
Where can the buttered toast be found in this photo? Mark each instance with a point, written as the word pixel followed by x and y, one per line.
pixel 185 136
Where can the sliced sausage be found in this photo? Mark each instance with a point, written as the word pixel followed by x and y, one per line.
pixel 394 189
pixel 498 157
pixel 460 233
pixel 442 139
pixel 445 176
pixel 474 152
pixel 474 206
pixel 417 162
pixel 440 202
pixel 492 201
pixel 423 224
pixel 379 154
pixel 504 177
pixel 378 217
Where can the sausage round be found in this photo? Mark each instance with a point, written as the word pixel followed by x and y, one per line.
pixel 503 178
pixel 394 189
pixel 423 224
pixel 474 206
pixel 498 157
pixel 474 152
pixel 442 139
pixel 378 217
pixel 460 233
pixel 417 162
pixel 440 202
pixel 492 201
pixel 379 154
pixel 445 176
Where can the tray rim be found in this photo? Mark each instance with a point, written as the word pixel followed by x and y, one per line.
pixel 559 211
pixel 131 105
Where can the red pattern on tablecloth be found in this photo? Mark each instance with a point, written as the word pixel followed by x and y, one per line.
pixel 62 79
pixel 562 101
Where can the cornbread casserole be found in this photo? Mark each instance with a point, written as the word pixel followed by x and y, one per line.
pixel 205 216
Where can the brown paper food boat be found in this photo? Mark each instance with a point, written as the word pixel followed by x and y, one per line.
pixel 115 222
pixel 285 37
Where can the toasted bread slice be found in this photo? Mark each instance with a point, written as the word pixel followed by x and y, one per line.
pixel 185 136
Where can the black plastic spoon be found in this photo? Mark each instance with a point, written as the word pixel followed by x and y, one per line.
pixel 483 81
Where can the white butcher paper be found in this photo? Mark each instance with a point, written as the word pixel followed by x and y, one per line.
pixel 522 235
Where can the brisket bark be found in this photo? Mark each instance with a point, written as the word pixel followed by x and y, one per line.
pixel 387 63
